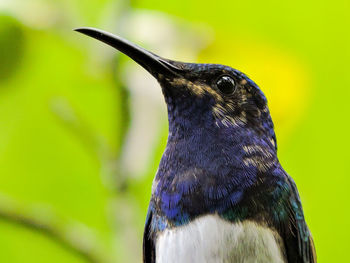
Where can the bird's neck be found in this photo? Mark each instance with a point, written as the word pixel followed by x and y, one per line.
pixel 199 133
pixel 229 147
pixel 205 172
pixel 195 127
pixel 207 167
pixel 229 153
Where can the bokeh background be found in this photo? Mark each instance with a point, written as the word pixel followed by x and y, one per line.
pixel 82 128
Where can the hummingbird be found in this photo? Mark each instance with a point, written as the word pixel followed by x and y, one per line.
pixel 220 194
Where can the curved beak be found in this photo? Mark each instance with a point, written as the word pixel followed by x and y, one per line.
pixel 152 63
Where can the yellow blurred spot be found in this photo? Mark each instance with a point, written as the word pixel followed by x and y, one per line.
pixel 280 74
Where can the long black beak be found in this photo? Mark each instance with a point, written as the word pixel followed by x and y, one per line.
pixel 152 63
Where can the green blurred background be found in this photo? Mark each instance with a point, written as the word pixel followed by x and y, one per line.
pixel 82 128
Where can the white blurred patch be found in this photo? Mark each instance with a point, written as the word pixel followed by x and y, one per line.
pixel 38 14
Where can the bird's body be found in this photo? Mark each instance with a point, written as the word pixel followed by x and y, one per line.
pixel 220 193
pixel 220 162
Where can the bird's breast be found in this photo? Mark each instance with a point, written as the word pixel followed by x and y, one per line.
pixel 211 239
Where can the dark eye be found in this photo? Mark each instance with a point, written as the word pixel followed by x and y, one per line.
pixel 226 85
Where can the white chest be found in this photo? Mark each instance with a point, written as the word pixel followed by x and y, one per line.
pixel 209 239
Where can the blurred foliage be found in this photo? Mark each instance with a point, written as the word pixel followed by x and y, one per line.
pixel 66 194
pixel 12 46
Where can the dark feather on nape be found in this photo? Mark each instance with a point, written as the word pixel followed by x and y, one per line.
pixel 260 100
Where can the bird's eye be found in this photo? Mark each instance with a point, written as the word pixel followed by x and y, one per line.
pixel 226 85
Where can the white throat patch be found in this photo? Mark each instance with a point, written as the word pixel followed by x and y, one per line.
pixel 210 239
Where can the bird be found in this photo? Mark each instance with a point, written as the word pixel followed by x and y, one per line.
pixel 220 193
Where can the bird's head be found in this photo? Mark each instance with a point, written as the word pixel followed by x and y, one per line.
pixel 210 99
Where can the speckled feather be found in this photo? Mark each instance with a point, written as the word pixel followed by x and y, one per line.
pixel 221 159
